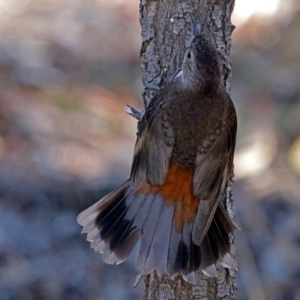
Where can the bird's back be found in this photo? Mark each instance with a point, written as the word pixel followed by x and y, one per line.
pixel 197 118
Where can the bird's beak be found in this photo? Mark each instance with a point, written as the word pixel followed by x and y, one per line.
pixel 195 30
pixel 184 61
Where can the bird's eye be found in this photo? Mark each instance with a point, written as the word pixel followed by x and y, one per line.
pixel 189 55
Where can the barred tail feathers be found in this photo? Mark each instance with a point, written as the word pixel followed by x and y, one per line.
pixel 116 223
pixel 216 246
pixel 108 229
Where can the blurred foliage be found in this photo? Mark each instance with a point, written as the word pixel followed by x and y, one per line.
pixel 67 69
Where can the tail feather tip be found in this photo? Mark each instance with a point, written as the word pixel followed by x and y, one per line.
pixel 229 262
pixel 210 271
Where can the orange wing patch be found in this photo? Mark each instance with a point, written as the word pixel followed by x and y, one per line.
pixel 177 191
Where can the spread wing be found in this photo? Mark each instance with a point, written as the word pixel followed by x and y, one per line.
pixel 153 147
pixel 214 165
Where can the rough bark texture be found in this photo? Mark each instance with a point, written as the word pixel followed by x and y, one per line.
pixel 166 32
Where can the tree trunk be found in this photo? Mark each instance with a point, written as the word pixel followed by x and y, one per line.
pixel 166 31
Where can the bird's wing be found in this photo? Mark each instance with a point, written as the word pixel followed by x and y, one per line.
pixel 153 147
pixel 214 164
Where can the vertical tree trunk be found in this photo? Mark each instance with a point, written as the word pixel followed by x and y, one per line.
pixel 166 31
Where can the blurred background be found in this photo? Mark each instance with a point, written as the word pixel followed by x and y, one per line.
pixel 67 69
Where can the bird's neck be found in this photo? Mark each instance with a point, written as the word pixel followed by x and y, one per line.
pixel 207 83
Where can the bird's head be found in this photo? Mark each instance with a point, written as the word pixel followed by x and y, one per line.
pixel 201 64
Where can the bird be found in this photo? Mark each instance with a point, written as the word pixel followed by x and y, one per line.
pixel 183 160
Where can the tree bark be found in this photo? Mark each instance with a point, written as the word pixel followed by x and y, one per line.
pixel 166 31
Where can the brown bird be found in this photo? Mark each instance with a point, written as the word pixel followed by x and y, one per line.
pixel 182 161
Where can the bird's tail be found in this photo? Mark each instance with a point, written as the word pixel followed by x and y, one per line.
pixel 115 223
